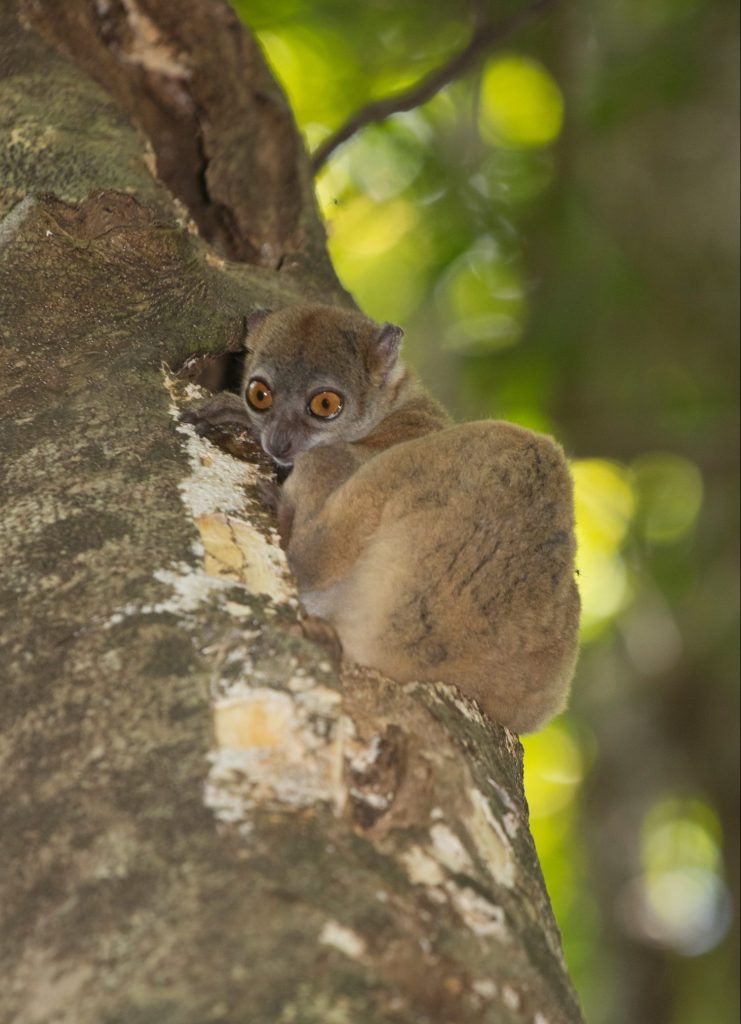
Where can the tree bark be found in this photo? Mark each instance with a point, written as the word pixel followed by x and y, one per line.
pixel 202 819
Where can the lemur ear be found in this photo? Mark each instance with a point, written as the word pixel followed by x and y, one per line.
pixel 388 340
pixel 250 324
pixel 253 321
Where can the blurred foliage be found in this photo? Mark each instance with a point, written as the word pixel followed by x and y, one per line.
pixel 520 104
pixel 558 232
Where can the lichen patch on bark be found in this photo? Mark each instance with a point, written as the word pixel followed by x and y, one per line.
pixel 216 484
pixel 148 46
pixel 277 750
pixel 216 490
pixel 237 551
pixel 422 867
pixel 343 939
pixel 440 868
pixel 483 917
pixel 449 850
pixel 491 840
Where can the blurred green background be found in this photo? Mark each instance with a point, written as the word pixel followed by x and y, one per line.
pixel 558 233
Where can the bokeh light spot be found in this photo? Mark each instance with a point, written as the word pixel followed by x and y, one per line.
pixel 370 229
pixel 520 104
pixel 485 299
pixel 605 505
pixel 680 900
pixel 554 769
pixel 669 489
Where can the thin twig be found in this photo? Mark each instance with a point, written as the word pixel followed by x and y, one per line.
pixel 485 37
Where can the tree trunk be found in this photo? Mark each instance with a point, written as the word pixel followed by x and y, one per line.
pixel 205 820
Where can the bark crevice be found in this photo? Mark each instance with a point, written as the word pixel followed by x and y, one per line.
pixel 225 142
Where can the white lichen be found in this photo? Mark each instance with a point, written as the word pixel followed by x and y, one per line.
pixel 421 867
pixel 217 481
pixel 376 801
pixel 367 756
pixel 511 997
pixel 466 705
pixel 148 46
pixel 483 917
pixel 449 850
pixel 486 988
pixel 190 588
pixel 511 824
pixel 343 939
pixel 511 817
pixel 234 550
pixel 215 495
pixel 430 868
pixel 275 749
pixel 491 840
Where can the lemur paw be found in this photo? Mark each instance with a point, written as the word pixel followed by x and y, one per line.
pixel 269 492
pixel 225 411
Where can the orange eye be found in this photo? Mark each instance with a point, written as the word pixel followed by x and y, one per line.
pixel 326 404
pixel 259 395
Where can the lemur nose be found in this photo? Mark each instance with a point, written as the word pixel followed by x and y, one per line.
pixel 280 447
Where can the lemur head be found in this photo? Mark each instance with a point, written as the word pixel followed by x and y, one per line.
pixel 317 375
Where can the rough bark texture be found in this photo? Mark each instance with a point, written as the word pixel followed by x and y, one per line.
pixel 201 819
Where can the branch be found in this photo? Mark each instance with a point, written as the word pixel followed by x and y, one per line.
pixel 485 37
